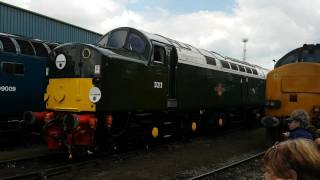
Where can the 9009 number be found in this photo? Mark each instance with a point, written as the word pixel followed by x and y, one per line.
pixel 8 88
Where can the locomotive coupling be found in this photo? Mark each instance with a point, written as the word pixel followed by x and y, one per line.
pixel 30 118
pixel 79 121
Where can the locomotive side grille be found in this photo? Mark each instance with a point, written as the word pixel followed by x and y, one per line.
pixel 293 98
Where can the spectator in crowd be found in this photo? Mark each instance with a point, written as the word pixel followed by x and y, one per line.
pixel 292 159
pixel 297 123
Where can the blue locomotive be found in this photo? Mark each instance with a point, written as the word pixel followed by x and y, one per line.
pixel 22 78
pixel 157 85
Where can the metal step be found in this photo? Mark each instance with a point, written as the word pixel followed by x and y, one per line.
pixel 167 122
pixel 167 136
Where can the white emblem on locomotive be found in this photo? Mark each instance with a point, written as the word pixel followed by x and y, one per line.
pixel 61 61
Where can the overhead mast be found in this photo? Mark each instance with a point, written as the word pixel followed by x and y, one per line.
pixel 244 40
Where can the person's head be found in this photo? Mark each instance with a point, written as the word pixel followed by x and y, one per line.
pixel 298 118
pixel 292 159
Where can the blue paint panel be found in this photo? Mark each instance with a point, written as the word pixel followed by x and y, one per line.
pixel 19 21
pixel 29 88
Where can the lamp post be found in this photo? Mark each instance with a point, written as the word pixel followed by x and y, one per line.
pixel 244 40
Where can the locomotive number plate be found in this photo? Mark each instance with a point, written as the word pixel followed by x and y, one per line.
pixel 157 85
pixel 8 88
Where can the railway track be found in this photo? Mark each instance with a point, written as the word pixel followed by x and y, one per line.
pixel 227 167
pixel 50 165
pixel 20 168
pixel 46 172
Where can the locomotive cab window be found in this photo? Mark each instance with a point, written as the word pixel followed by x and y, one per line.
pixel 25 47
pixel 8 45
pixel 10 68
pixel 159 54
pixel 310 55
pixel 135 43
pixel 117 39
pixel 104 41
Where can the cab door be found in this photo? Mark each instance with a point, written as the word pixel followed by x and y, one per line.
pixel 158 76
pixel 244 89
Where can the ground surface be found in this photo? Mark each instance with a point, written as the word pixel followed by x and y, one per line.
pixel 180 160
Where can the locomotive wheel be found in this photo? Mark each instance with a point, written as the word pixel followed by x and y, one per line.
pixel 151 135
pixel 192 125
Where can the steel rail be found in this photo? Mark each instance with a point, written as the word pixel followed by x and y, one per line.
pixel 48 172
pixel 227 166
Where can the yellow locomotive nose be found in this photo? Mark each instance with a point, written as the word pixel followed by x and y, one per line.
pixel 59 96
pixel 70 94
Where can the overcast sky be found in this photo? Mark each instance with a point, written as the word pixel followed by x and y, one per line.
pixel 273 27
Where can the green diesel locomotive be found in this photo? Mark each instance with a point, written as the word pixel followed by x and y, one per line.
pixel 136 82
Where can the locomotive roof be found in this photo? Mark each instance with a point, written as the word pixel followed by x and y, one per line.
pixel 306 53
pixel 187 54
pixel 12 43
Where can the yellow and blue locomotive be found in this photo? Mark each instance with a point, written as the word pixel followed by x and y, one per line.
pixel 293 85
pixel 132 79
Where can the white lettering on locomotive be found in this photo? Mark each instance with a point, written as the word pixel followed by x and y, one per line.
pixel 157 85
pixel 8 88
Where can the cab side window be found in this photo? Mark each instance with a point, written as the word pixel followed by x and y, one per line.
pixel 159 54
pixel 10 68
pixel 104 41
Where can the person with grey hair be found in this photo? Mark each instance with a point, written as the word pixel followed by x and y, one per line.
pixel 298 121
